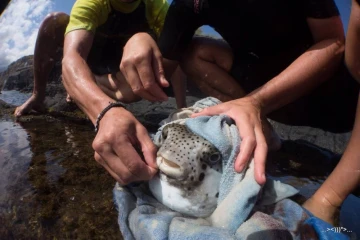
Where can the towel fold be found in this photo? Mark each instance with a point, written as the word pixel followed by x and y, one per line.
pixel 141 216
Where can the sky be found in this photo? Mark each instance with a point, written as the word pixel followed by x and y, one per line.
pixel 20 22
pixel 19 26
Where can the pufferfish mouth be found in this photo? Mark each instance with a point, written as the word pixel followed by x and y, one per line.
pixel 170 168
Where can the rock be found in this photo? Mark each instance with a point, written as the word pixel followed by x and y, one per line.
pixel 19 80
pixel 18 74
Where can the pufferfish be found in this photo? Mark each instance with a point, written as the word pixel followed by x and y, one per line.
pixel 190 170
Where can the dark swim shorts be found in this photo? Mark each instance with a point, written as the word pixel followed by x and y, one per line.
pixel 105 55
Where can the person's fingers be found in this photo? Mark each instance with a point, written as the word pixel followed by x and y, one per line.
pixel 150 85
pixel 124 163
pixel 260 154
pixel 157 64
pixel 103 163
pixel 209 111
pixel 136 84
pixel 147 146
pixel 131 159
pixel 248 143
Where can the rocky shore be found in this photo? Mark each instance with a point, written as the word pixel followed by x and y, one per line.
pixel 19 76
pixel 304 149
pixel 307 153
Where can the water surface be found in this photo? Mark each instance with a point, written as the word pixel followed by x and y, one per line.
pixel 52 188
pixel 50 185
pixel 14 97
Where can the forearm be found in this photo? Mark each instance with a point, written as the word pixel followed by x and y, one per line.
pixel 307 72
pixel 346 176
pixel 80 85
pixel 352 51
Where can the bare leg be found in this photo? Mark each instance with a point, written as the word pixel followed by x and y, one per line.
pixel 208 63
pixel 50 38
pixel 116 87
pixel 178 81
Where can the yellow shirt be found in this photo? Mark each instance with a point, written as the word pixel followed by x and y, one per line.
pixel 90 14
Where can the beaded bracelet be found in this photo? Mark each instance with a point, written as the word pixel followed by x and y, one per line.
pixel 102 113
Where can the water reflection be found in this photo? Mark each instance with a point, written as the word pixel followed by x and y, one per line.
pixel 50 186
pixel 15 155
pixel 14 97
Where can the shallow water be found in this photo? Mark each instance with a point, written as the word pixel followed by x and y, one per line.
pixel 14 97
pixel 51 187
pixel 50 184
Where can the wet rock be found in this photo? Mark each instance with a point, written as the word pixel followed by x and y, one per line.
pixel 335 142
pixel 19 76
pixel 19 80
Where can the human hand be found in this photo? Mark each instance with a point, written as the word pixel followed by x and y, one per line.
pixel 142 67
pixel 247 116
pixel 115 147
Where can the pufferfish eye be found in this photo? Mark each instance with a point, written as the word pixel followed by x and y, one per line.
pixel 214 158
pixel 164 133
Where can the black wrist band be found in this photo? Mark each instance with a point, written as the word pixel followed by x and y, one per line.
pixel 102 113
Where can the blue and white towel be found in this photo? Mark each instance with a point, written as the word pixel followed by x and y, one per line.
pixel 238 214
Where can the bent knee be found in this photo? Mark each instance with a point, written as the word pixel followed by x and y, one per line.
pixel 56 19
pixel 209 50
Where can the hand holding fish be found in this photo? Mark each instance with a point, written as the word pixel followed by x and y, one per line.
pixel 142 67
pixel 115 145
pixel 247 115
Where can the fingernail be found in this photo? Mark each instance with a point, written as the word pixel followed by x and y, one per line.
pixel 241 167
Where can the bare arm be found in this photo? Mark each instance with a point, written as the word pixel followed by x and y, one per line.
pixel 346 176
pixel 342 181
pixel 119 131
pixel 309 70
pixel 352 48
pixel 78 78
